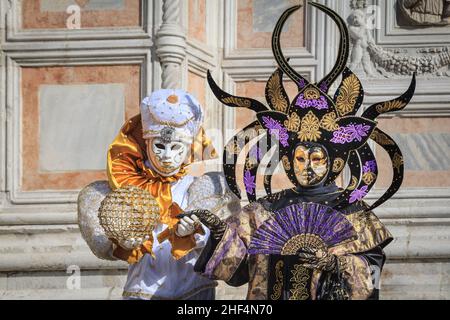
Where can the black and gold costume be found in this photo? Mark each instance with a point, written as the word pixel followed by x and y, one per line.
pixel 350 269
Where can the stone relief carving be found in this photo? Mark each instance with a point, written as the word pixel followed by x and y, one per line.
pixel 372 60
pixel 414 13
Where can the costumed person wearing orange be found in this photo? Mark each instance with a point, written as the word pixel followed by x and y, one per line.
pixel 151 152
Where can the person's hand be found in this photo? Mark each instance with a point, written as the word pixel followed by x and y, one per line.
pixel 133 243
pixel 216 226
pixel 187 225
pixel 319 259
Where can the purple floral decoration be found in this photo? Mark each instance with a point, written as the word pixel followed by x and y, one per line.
pixel 358 194
pixel 370 166
pixel 301 83
pixel 318 104
pixel 350 133
pixel 275 128
pixel 249 182
pixel 256 153
pixel 324 87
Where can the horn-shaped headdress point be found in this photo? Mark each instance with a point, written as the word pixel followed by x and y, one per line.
pixel 314 117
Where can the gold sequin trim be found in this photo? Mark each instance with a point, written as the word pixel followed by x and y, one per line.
pixel 369 177
pixel 309 128
pixel 381 138
pixel 397 161
pixel 311 93
pixel 286 163
pixel 348 93
pixel 354 183
pixel 390 106
pixel 239 102
pixel 300 277
pixel 275 93
pixel 338 165
pixel 295 243
pixel 328 122
pixel 293 122
pixel 278 286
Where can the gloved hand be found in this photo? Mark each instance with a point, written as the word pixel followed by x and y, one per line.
pixel 318 259
pixel 187 225
pixel 133 243
pixel 216 226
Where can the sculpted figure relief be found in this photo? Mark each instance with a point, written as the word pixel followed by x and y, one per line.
pixel 423 12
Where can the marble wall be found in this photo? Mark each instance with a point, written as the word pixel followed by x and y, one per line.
pixel 62 105
pixel 65 93
pixel 197 20
pixel 53 14
pixel 425 146
pixel 257 18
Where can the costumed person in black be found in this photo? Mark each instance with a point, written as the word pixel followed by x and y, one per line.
pixel 313 241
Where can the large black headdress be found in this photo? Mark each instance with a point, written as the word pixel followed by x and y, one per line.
pixel 315 117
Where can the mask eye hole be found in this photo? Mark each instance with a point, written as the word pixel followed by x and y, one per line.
pixel 160 146
pixel 176 147
pixel 301 159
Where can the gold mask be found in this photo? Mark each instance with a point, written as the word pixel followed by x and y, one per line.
pixel 310 164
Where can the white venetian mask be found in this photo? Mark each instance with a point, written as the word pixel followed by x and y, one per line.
pixel 167 156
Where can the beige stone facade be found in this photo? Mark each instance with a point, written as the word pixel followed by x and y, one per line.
pixel 72 71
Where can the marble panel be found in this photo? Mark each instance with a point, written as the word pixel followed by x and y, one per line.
pixel 77 123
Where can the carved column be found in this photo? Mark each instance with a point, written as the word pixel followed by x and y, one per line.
pixel 171 45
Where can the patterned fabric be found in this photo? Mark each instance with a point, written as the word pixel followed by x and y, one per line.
pixel 249 182
pixel 350 133
pixel 305 103
pixel 231 253
pixel 297 226
pixel 277 130
pixel 314 116
pixel 176 109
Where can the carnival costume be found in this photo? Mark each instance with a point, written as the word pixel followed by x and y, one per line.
pixel 162 266
pixel 314 241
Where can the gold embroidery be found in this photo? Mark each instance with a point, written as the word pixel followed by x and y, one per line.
pixel 381 138
pixel 286 163
pixel 128 212
pixel 371 232
pixel 251 163
pixel 259 128
pixel 309 128
pixel 397 161
pixel 295 243
pixel 328 122
pixel 233 148
pixel 248 134
pixel 390 106
pixel 338 165
pixel 239 102
pixel 293 122
pixel 369 177
pixel 300 277
pixel 342 263
pixel 354 183
pixel 348 93
pixel 278 286
pixel 169 123
pixel 275 93
pixel 311 93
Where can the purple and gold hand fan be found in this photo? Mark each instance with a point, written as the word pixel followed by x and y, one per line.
pixel 307 225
